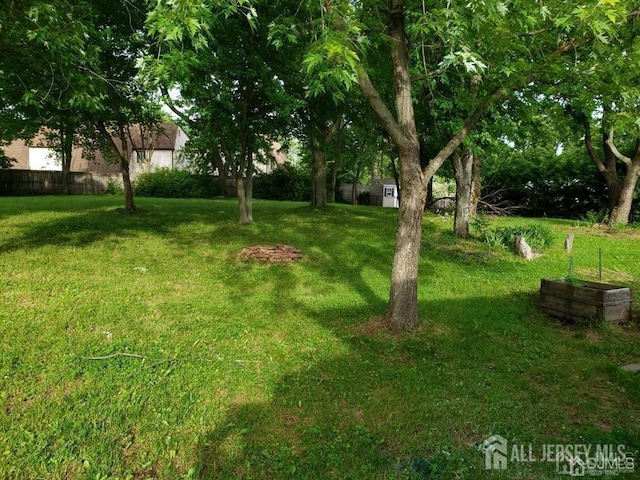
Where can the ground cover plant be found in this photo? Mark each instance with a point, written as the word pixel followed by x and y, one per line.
pixel 146 346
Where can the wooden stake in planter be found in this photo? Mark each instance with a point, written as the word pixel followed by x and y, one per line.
pixel 568 243
pixel 600 263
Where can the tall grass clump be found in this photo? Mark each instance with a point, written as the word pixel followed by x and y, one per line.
pixel 537 235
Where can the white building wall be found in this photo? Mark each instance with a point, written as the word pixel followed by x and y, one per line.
pixel 44 159
pixel 159 159
pixel 181 139
pixel 162 159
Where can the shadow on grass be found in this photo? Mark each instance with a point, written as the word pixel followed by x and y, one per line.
pixel 417 405
pixel 86 220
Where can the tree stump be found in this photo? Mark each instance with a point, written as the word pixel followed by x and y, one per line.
pixel 522 248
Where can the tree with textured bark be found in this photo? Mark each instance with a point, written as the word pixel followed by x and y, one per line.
pixel 321 137
pixel 219 55
pixel 504 45
pixel 124 100
pixel 463 161
pixel 601 88
pixel 620 172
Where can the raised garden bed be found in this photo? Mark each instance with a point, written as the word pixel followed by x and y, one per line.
pixel 581 300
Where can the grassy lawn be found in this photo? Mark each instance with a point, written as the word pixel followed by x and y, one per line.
pixel 144 346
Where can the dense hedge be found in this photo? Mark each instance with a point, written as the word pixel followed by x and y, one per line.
pixel 168 183
pixel 547 188
pixel 284 183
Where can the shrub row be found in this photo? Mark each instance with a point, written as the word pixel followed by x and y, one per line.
pixel 284 183
pixel 290 183
pixel 168 183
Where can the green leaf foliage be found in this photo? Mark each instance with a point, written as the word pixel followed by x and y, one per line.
pixel 539 236
pixel 284 183
pixel 167 183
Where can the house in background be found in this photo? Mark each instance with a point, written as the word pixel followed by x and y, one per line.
pixel 37 168
pixel 152 149
pixel 156 148
pixel 384 193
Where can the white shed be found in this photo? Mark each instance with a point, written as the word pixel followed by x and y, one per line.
pixel 384 193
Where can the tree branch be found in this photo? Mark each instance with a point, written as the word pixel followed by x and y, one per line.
pixel 380 108
pixel 108 137
pixel 615 151
pixel 590 150
pixel 437 161
pixel 172 106
pixel 114 355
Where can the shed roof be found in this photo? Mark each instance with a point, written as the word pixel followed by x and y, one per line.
pixel 387 182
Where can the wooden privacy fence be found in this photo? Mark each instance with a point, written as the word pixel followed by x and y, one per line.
pixel 33 182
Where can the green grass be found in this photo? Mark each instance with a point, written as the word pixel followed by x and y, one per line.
pixel 239 369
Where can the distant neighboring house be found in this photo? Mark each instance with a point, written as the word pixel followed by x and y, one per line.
pixel 157 148
pixel 274 157
pixel 152 149
pixel 384 193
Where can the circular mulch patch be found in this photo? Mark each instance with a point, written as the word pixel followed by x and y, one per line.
pixel 272 253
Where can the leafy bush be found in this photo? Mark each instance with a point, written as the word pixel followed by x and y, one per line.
pixel 538 236
pixel 113 188
pixel 543 183
pixel 284 183
pixel 168 183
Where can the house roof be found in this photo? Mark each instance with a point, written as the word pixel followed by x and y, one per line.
pixel 161 138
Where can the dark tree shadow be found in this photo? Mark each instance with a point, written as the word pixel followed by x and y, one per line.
pixel 416 405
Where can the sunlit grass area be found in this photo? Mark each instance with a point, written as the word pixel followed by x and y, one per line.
pixel 146 346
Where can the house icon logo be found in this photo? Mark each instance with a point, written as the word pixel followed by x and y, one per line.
pixel 495 453
pixel 577 467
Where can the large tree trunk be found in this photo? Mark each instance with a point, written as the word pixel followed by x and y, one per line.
pixel 244 184
pixel 319 172
pixel 319 144
pixel 66 134
pixel 622 212
pixel 402 309
pixel 607 168
pixel 243 204
pixel 123 156
pixel 476 185
pixel 610 175
pixel 130 205
pixel 463 171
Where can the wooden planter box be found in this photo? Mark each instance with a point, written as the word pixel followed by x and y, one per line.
pixel 583 300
